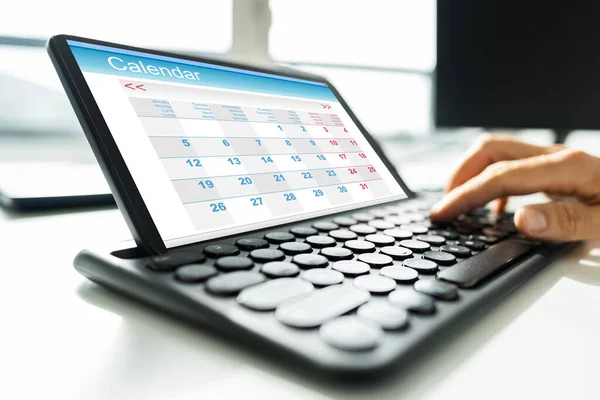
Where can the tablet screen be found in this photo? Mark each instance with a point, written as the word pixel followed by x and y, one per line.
pixel 217 150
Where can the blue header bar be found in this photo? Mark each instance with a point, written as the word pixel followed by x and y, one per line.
pixel 135 64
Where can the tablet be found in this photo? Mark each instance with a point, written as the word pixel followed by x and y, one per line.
pixel 57 185
pixel 195 149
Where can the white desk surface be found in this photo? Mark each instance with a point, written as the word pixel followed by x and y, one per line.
pixel 63 337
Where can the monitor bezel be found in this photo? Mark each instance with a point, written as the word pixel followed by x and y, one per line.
pixel 114 167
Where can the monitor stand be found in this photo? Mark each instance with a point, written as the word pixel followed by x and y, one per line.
pixel 560 135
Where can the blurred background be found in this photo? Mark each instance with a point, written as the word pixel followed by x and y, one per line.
pixel 380 54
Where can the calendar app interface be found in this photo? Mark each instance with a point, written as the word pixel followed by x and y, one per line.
pixel 217 150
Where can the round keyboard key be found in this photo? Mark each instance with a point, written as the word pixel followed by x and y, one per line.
pixel 363 229
pixel 376 260
pixel 194 273
pixel 345 221
pixel 494 232
pixel 267 255
pixel 399 234
pixel 325 226
pixel 421 265
pixel 337 253
pixel 280 269
pixel 415 245
pixel 484 221
pixel 439 289
pixel 458 251
pixel 268 295
pixel 386 316
pixel 473 244
pixel 445 234
pixel 168 262
pixel 400 274
pixel 233 263
pixel 279 237
pixel 379 212
pixel 486 239
pixel 360 246
pixel 363 217
pixel 506 226
pixel 307 261
pixel 343 235
pixel 396 252
pixel 412 300
pixel 249 244
pixel 440 257
pixel 323 277
pixel 392 210
pixel 398 220
pixel 415 217
pixel 350 333
pixel 380 240
pixel 221 250
pixel 478 212
pixel 303 231
pixel 295 248
pixel 415 228
pixel 375 283
pixel 351 268
pixel 320 241
pixel 465 229
pixel 233 282
pixel 434 240
pixel 381 224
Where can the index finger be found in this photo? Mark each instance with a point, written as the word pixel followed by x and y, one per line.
pixel 560 172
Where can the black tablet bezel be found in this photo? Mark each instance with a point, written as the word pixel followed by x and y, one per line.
pixel 122 185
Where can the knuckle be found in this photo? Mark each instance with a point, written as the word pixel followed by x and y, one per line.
pixel 573 156
pixel 497 170
pixel 485 140
pixel 570 219
pixel 495 176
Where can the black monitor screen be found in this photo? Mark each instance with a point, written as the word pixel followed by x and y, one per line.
pixel 518 64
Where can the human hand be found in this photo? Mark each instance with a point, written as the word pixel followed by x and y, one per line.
pixel 501 166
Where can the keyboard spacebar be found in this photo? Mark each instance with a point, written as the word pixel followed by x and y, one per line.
pixel 473 270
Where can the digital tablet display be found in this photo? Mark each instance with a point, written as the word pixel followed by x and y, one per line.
pixel 216 150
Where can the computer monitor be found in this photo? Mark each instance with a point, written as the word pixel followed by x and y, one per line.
pixel 518 64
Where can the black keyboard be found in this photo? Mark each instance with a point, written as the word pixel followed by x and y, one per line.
pixel 359 292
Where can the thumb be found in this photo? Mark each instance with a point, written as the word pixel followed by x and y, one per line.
pixel 559 220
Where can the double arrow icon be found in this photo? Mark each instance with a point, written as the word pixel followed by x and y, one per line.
pixel 130 86
pixel 326 106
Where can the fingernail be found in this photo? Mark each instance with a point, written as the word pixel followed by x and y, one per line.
pixel 535 221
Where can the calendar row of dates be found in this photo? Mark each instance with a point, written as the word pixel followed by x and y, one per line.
pixel 175 127
pixel 247 209
pixel 228 186
pixel 228 146
pixel 208 166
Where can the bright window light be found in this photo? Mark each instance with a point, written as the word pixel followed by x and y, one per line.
pixel 384 33
pixel 200 25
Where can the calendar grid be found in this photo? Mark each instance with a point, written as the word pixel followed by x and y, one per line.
pixel 233 165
